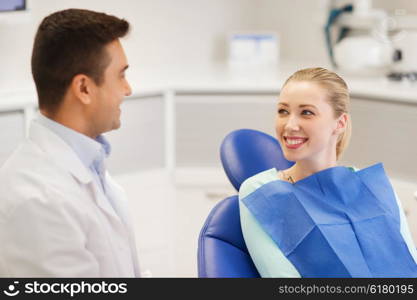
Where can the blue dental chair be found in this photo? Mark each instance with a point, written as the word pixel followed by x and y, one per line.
pixel 222 250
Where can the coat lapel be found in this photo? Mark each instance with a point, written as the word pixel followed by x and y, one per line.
pixel 104 204
pixel 63 155
pixel 122 209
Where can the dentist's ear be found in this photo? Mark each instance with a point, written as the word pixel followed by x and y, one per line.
pixel 81 88
pixel 341 124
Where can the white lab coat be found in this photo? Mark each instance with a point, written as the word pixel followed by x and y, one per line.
pixel 54 221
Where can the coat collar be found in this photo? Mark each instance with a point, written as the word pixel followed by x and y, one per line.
pixel 59 151
pixel 64 156
pixel 90 151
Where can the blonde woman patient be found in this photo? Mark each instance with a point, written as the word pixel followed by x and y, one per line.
pixel 316 218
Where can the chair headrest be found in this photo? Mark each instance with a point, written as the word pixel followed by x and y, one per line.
pixel 246 152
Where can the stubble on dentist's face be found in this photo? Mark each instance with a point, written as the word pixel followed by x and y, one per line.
pixel 109 95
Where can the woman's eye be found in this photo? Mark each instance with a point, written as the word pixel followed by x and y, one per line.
pixel 282 111
pixel 307 112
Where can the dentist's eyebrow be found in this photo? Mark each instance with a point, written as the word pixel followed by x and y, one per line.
pixel 124 68
pixel 283 103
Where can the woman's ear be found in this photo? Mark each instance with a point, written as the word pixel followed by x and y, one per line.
pixel 81 88
pixel 341 124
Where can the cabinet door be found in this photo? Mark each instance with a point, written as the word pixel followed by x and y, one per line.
pixel 152 207
pixel 384 132
pixel 138 144
pixel 12 133
pixel 202 121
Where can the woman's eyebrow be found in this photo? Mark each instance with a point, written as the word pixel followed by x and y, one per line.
pixel 301 105
pixel 307 105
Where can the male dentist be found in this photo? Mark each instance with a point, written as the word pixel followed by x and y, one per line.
pixel 61 215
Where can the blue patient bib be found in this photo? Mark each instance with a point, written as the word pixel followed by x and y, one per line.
pixel 336 223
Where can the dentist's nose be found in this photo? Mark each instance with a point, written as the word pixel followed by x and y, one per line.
pixel 128 91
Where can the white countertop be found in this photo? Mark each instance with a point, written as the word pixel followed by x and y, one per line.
pixel 221 79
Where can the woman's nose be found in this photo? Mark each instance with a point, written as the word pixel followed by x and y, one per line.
pixel 292 123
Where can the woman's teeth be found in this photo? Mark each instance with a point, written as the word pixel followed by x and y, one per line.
pixel 294 142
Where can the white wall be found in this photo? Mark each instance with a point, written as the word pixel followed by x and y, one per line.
pixel 300 24
pixel 174 32
pixel 164 32
pixel 183 32
pixel 409 7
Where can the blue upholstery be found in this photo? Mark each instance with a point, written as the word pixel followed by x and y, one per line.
pixel 221 248
pixel 246 152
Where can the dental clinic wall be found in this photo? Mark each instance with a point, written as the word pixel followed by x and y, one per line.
pixel 301 24
pixel 408 7
pixel 166 33
pixel 182 33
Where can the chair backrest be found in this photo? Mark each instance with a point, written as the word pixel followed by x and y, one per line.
pixel 222 250
pixel 246 152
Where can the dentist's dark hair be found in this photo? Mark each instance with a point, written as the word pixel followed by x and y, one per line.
pixel 338 97
pixel 68 43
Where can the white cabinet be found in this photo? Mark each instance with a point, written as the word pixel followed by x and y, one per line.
pixel 193 206
pixel 139 143
pixel 202 121
pixel 168 219
pixel 12 132
pixel 151 198
pixel 384 132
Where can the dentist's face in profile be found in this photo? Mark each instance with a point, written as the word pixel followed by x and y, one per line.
pixel 109 94
pixel 305 122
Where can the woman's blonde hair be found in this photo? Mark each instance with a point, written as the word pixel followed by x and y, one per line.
pixel 338 97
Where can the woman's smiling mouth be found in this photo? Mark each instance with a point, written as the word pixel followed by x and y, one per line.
pixel 294 142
